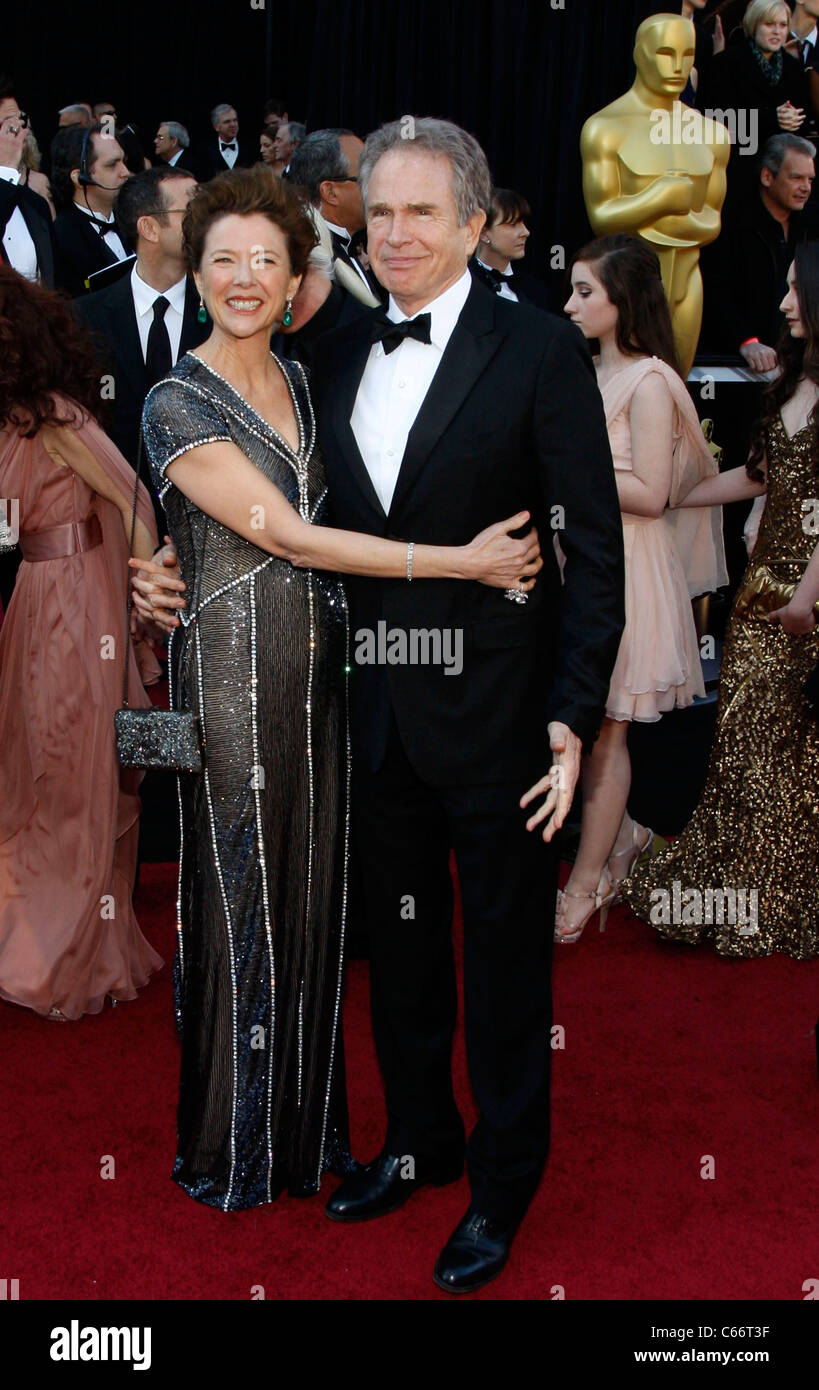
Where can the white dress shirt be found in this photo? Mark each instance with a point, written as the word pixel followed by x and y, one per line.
pixel 17 240
pixel 144 299
pixel 346 238
pixel 229 156
pixel 111 239
pixel 393 386
pixel 505 291
pixel 175 158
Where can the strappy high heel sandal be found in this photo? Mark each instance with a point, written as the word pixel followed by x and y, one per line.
pixel 56 1015
pixel 642 842
pixel 598 901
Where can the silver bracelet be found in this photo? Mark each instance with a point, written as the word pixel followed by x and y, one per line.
pixel 410 549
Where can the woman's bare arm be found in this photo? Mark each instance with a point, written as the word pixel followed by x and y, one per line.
pixel 222 482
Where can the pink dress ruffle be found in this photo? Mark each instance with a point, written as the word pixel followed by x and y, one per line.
pixel 69 816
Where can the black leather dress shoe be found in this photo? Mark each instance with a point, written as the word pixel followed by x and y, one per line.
pixel 386 1184
pixel 476 1251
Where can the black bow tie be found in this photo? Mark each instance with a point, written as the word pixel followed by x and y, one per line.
pixel 230 146
pixel 496 278
pixel 392 335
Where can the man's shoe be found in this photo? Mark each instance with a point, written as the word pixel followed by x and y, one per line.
pixel 476 1251
pixel 382 1186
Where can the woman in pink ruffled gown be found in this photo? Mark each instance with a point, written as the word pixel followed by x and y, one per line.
pixel 69 817
pixel 659 454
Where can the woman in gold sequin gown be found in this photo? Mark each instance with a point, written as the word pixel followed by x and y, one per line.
pixel 753 840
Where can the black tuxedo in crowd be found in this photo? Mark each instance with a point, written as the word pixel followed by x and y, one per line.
pixel 341 250
pixel 745 274
pixel 37 217
pixel 207 159
pixel 111 316
pixel 527 288
pixel 512 420
pixel 80 250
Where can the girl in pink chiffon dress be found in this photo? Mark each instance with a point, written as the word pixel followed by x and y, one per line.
pixel 69 816
pixel 659 455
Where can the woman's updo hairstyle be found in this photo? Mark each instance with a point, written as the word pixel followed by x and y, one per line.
pixel 243 193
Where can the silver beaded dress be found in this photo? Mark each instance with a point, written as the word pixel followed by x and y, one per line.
pixel 262 656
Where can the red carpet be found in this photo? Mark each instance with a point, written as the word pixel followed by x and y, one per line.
pixel 670 1054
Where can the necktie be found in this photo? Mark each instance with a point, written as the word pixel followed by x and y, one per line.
pixel 158 361
pixel 392 335
pixel 231 146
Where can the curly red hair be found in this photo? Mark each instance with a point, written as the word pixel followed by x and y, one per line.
pixel 43 350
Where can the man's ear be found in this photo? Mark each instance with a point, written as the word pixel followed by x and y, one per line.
pixel 473 229
pixel 328 193
pixel 766 177
pixel 147 227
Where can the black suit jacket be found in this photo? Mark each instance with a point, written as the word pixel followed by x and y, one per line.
pixel 513 420
pixel 745 272
pixel 527 288
pixel 37 217
pixel 207 159
pixel 111 316
pixel 80 250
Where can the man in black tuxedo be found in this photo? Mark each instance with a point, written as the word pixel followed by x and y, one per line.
pixel 87 172
pixel 147 320
pixel 451 411
pixel 224 150
pixel 26 236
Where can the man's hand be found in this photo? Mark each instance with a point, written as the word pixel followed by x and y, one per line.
pixel 795 618
pixel 559 782
pixel 156 587
pixel 759 357
pixel 12 139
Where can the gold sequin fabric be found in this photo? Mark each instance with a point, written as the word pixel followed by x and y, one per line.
pixel 744 874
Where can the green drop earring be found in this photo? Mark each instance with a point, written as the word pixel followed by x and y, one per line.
pixel 202 313
pixel 287 316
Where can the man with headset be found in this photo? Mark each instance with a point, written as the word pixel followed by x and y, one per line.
pixel 87 172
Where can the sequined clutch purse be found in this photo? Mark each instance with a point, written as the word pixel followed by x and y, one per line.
pixel 166 739
pixel 154 739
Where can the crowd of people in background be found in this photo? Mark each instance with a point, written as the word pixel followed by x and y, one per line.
pixel 168 316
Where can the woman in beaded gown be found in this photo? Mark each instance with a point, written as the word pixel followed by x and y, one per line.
pixel 262 655
pixel 755 831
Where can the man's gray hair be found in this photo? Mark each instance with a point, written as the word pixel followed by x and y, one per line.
pixel 318 157
pixel 775 150
pixel 471 180
pixel 219 111
pixel 178 133
pixel 296 131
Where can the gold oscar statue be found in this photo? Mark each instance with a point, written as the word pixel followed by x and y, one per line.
pixel 655 167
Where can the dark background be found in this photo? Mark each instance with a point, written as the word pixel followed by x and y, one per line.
pixel 519 74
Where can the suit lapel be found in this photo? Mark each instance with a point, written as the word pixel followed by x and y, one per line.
pixel 346 382
pixel 474 342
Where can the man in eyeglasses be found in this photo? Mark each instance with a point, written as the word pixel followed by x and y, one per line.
pixel 26 237
pixel 325 166
pixel 147 320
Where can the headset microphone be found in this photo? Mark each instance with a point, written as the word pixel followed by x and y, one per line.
pixel 86 180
